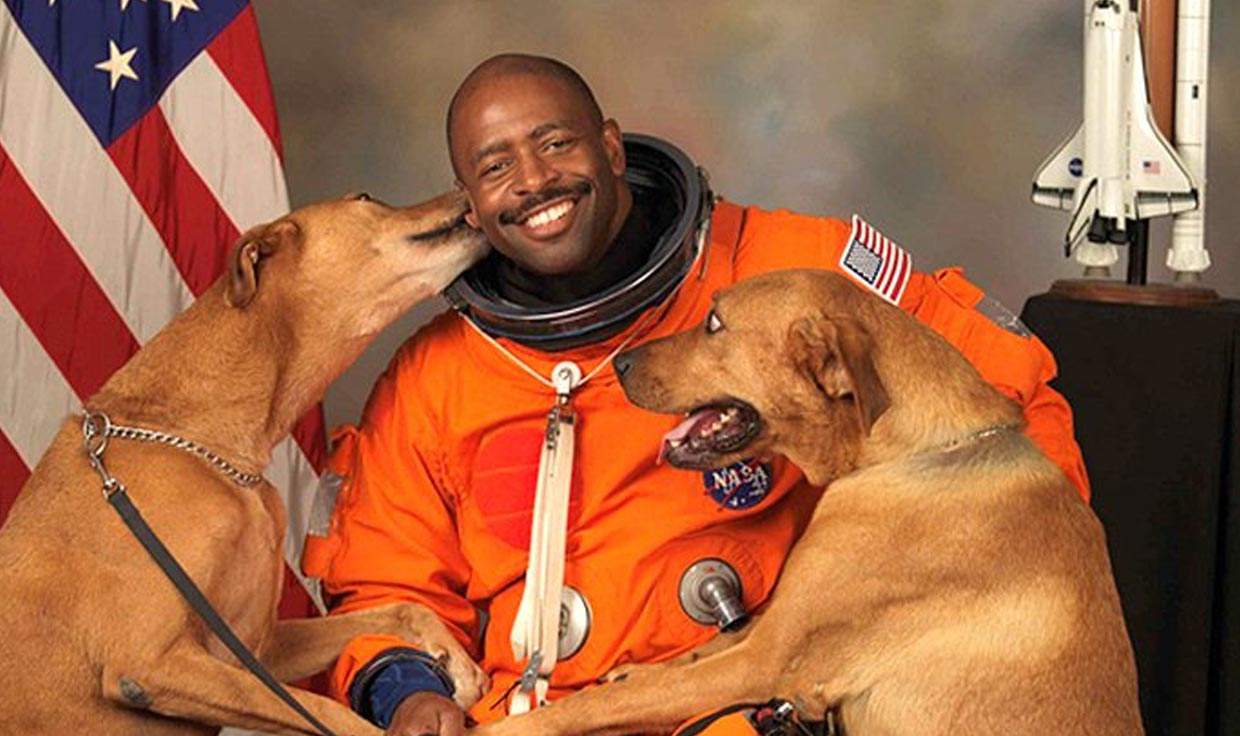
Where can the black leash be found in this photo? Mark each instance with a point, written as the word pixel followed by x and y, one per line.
pixel 95 428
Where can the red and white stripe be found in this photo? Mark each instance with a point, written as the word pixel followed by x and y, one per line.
pixel 102 247
pixel 896 264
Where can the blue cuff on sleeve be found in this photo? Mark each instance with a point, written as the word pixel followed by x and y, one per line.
pixel 392 676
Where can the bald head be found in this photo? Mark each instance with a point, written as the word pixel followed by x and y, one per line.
pixel 502 66
pixel 544 172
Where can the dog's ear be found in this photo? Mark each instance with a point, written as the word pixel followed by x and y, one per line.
pixel 252 249
pixel 838 357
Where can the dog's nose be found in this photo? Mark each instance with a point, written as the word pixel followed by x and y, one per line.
pixel 622 363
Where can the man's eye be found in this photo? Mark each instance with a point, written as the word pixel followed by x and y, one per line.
pixel 713 323
pixel 558 143
pixel 494 168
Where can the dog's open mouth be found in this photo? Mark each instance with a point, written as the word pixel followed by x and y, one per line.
pixel 709 432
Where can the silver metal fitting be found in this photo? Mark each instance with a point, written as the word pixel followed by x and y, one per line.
pixel 575 620
pixel 710 593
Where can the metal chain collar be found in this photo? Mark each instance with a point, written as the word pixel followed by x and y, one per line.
pixel 97 429
pixel 976 437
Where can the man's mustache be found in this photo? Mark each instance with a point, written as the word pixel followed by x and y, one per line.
pixel 538 199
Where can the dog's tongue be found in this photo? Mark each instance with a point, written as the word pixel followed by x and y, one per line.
pixel 699 418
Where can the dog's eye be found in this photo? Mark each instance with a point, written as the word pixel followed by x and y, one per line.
pixel 713 323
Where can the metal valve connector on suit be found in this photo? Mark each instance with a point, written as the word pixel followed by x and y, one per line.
pixel 710 593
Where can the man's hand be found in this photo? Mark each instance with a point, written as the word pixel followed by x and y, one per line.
pixel 427 713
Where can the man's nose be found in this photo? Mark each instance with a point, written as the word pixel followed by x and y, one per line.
pixel 534 175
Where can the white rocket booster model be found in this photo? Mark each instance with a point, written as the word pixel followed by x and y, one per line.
pixel 1117 169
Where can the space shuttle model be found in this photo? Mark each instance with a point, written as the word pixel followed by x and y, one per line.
pixel 1118 171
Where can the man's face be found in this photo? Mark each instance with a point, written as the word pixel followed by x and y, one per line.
pixel 543 179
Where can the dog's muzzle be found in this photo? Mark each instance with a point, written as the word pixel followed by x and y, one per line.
pixel 711 432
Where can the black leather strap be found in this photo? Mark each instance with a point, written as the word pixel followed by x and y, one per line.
pixel 133 519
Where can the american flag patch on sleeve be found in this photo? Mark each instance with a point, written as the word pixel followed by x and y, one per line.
pixel 877 263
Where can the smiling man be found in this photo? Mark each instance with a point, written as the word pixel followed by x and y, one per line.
pixel 600 242
pixel 545 176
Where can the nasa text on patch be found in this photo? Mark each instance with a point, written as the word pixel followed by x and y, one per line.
pixel 876 262
pixel 740 485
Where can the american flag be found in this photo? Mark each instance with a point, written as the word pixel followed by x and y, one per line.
pixel 876 262
pixel 138 138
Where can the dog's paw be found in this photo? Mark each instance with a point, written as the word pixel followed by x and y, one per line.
pixel 470 681
pixel 420 626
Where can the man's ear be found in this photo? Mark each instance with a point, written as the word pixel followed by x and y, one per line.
pixel 252 249
pixel 837 357
pixel 613 143
pixel 471 218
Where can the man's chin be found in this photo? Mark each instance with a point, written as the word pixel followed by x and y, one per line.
pixel 551 258
pixel 563 255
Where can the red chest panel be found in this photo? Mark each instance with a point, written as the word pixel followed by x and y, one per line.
pixel 505 477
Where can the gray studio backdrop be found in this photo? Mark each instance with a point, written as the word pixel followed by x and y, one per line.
pixel 928 118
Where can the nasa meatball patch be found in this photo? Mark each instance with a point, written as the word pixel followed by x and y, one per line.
pixel 740 485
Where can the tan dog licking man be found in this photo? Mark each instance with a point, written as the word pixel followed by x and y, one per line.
pixel 95 639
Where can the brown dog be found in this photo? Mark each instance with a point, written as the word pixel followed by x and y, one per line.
pixel 950 581
pixel 93 638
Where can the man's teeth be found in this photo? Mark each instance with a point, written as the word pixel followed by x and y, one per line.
pixel 551 214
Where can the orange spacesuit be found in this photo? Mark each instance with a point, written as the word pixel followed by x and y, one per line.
pixel 439 478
